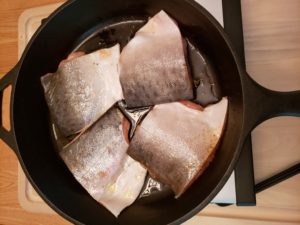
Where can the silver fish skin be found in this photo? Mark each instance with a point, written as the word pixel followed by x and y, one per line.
pixel 122 192
pixel 176 143
pixel 98 160
pixel 96 156
pixel 83 89
pixel 153 65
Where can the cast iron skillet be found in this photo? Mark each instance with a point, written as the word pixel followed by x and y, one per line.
pixel 29 137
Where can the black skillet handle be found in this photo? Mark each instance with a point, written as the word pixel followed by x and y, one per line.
pixel 283 175
pixel 262 103
pixel 7 80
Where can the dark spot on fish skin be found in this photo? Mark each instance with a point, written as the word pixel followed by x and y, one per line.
pixel 146 94
pixel 102 174
pixel 129 91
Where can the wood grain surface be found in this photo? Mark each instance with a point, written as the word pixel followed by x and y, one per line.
pixel 272 38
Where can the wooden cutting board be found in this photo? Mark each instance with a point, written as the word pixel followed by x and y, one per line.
pixel 272 44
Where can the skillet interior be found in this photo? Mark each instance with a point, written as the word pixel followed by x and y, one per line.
pixel 59 36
